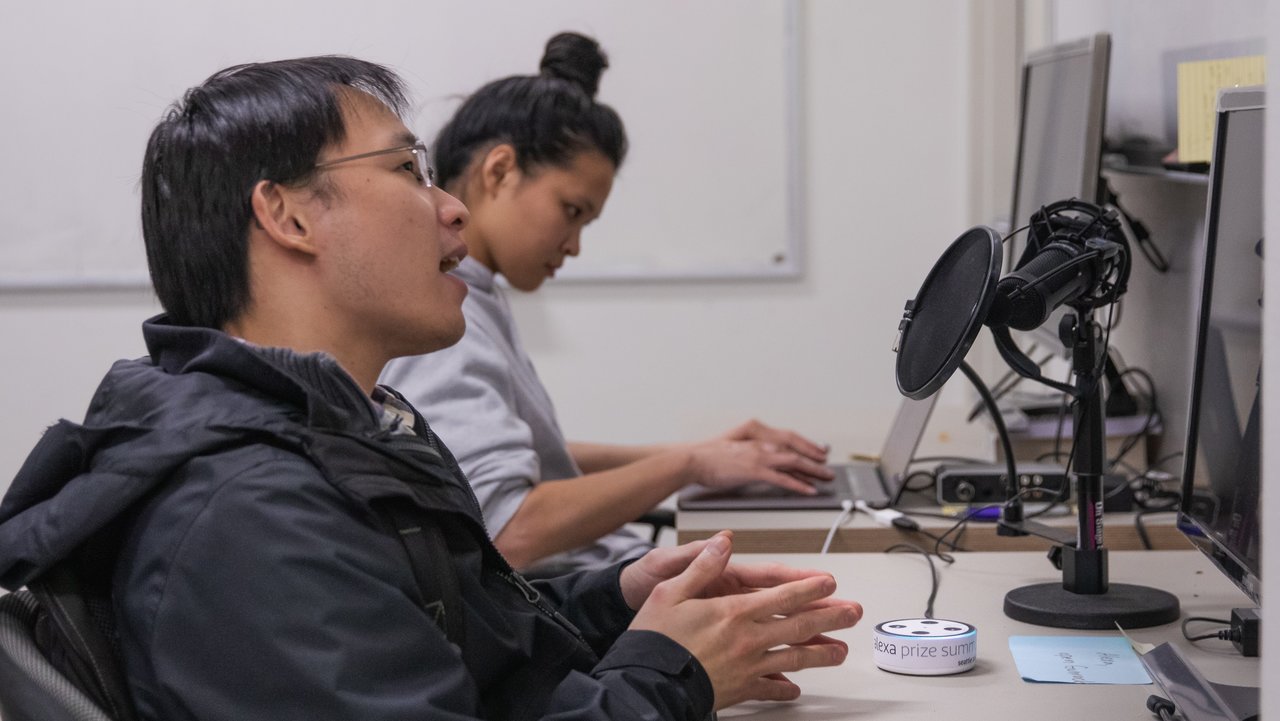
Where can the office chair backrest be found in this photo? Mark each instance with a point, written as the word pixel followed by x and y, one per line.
pixel 31 689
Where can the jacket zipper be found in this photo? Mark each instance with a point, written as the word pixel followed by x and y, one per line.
pixel 532 595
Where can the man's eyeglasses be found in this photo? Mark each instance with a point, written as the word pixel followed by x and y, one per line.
pixel 422 169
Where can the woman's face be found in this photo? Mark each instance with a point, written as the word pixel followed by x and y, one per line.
pixel 532 222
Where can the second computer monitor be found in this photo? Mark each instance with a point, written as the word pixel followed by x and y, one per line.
pixel 1064 98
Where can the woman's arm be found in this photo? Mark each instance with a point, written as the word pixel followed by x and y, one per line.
pixel 560 515
pixel 595 457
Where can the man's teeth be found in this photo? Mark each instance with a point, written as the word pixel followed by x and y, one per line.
pixel 448 264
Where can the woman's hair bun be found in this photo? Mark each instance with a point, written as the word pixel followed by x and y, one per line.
pixel 575 58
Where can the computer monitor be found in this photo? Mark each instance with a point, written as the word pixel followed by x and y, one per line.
pixel 1221 477
pixel 1064 101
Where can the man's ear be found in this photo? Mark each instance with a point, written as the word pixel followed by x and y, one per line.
pixel 499 167
pixel 280 213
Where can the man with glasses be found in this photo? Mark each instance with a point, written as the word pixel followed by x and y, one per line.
pixel 282 538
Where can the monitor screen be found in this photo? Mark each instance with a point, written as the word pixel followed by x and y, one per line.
pixel 1222 462
pixel 1064 99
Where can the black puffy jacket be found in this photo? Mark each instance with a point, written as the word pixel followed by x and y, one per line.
pixel 252 580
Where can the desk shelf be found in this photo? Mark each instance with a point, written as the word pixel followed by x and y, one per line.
pixel 805 531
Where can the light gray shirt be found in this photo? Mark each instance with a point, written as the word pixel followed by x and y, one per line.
pixel 485 401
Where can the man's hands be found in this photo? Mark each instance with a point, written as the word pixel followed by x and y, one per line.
pixel 746 625
pixel 754 451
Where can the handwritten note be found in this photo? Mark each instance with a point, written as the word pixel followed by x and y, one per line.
pixel 1077 659
pixel 1198 86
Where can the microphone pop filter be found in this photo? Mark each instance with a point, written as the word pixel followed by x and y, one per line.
pixel 943 320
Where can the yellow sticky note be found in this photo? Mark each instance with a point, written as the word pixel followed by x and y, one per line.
pixel 1198 86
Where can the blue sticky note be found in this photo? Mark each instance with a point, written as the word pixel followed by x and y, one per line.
pixel 1077 659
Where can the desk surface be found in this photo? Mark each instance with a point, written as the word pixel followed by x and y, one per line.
pixel 805 531
pixel 892 586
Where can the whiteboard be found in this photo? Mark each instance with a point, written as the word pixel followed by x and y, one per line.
pixel 707 91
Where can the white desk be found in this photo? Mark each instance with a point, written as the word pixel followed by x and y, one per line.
pixel 892 586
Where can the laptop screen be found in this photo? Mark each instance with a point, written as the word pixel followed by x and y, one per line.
pixel 904 436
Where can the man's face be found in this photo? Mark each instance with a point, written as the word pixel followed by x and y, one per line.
pixel 388 242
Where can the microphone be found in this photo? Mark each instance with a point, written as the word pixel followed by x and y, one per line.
pixel 1071 253
pixel 1025 298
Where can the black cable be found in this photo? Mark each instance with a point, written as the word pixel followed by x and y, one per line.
pixel 1226 634
pixel 1005 384
pixel 1065 492
pixel 1142 532
pixel 907 523
pixel 958 527
pixel 1055 455
pixel 1120 487
pixel 1001 431
pixel 1100 365
pixel 1162 707
pixel 1138 229
pixel 933 570
pixel 998 390
pixel 1134 473
pixel 1153 255
pixel 1013 262
pixel 1153 412
pixel 1067 402
pixel 906 486
pixel 1140 526
pixel 1085 257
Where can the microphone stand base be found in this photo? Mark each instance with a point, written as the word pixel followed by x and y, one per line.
pixel 1049 604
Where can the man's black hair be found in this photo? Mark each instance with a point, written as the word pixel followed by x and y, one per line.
pixel 245 124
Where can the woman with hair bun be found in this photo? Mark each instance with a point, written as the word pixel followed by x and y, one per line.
pixel 533 158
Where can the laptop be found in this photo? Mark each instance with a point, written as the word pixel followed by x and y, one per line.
pixel 873 479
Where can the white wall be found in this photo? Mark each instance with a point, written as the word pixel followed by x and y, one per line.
pixel 57 346
pixel 1149 38
pixel 885 132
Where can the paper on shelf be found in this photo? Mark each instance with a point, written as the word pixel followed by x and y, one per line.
pixel 1198 85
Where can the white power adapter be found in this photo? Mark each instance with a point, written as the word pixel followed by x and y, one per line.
pixel 925 646
pixel 883 516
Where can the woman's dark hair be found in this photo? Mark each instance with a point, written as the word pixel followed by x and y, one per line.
pixel 245 124
pixel 547 118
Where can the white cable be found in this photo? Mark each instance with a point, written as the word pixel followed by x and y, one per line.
pixel 883 516
pixel 846 510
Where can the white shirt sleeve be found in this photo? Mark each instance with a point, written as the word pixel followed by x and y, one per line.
pixel 468 396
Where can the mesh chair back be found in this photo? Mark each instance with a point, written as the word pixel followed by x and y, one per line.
pixel 31 689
